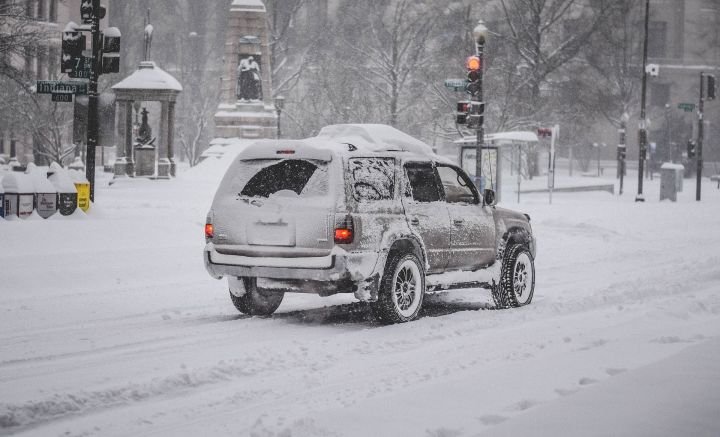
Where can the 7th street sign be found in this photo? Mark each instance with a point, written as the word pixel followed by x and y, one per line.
pixel 77 87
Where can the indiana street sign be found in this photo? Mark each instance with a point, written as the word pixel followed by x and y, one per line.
pixel 65 97
pixel 76 87
pixel 687 107
pixel 457 84
pixel 82 68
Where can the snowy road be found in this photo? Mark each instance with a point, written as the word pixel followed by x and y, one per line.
pixel 110 326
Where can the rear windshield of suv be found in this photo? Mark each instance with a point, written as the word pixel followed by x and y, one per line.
pixel 372 178
pixel 274 177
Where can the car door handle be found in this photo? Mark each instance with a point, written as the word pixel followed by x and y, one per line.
pixel 458 222
pixel 415 221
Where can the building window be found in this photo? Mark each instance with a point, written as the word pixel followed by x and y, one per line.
pixel 659 94
pixel 53 62
pixel 42 10
pixel 30 8
pixel 657 39
pixel 53 11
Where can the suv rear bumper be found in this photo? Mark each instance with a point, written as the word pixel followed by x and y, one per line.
pixel 339 266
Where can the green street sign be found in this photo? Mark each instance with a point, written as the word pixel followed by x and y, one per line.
pixel 77 87
pixel 687 107
pixel 457 84
pixel 82 68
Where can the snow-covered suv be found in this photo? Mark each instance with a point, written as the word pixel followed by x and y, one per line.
pixel 362 209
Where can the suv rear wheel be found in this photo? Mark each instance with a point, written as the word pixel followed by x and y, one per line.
pixel 256 301
pixel 517 278
pixel 402 289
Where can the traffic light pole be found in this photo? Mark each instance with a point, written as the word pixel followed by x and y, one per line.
pixel 92 131
pixel 643 121
pixel 480 139
pixel 698 151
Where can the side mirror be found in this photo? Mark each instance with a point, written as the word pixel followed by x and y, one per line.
pixel 489 197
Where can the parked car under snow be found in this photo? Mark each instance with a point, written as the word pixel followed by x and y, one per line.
pixel 362 209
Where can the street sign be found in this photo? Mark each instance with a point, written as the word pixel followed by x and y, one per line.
pixel 76 87
pixel 687 107
pixel 64 97
pixel 457 84
pixel 82 68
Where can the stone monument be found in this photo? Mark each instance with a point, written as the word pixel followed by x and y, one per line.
pixel 246 109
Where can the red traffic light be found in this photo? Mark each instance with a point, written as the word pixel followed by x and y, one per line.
pixel 463 106
pixel 473 63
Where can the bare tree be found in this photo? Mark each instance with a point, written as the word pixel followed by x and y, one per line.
pixel 20 37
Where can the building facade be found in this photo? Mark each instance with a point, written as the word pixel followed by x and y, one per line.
pixel 49 18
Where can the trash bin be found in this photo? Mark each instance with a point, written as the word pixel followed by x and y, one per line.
pixel 670 180
pixel 19 195
pixel 83 189
pixel 67 193
pixel 45 191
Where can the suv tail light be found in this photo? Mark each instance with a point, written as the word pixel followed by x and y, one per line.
pixel 344 231
pixel 208 230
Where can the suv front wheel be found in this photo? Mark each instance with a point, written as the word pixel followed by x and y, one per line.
pixel 402 289
pixel 517 278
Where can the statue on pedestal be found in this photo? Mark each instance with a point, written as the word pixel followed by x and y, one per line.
pixel 249 82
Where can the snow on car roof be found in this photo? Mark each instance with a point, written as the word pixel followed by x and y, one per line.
pixel 375 138
pixel 341 139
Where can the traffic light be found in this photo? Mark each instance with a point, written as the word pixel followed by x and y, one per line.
pixel 691 149
pixel 111 50
pixel 73 44
pixel 476 115
pixel 710 87
pixel 462 112
pixel 621 153
pixel 473 64
pixel 86 11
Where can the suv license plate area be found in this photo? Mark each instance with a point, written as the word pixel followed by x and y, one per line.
pixel 271 234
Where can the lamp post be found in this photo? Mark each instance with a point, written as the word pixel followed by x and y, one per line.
pixel 643 121
pixel 479 35
pixel 622 149
pixel 279 105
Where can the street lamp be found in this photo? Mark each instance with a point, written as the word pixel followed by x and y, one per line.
pixel 643 121
pixel 279 105
pixel 479 35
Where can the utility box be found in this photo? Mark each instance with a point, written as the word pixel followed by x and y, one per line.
pixel 83 189
pixel 670 180
pixel 67 199
pixel 19 195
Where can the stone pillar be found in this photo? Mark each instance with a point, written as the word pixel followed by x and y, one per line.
pixel 129 139
pixel 163 166
pixel 120 166
pixel 171 137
